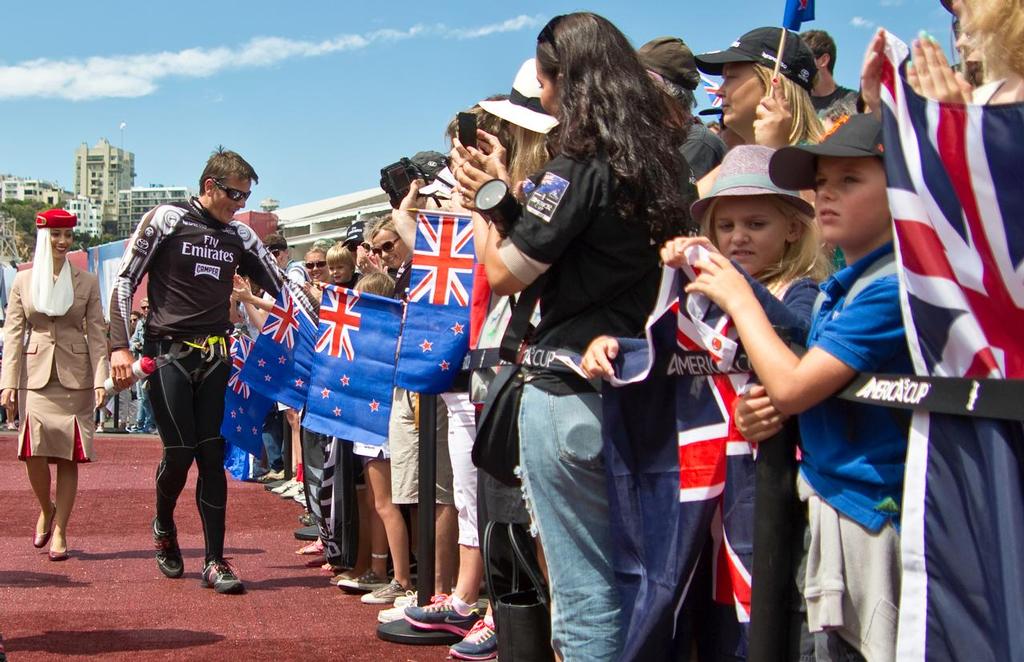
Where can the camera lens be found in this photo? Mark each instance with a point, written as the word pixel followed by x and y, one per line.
pixel 491 194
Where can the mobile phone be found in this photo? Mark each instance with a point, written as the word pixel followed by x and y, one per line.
pixel 467 129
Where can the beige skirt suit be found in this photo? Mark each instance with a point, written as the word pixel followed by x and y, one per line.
pixel 55 363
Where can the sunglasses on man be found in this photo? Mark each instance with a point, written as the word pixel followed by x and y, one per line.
pixel 233 193
pixel 276 251
pixel 386 247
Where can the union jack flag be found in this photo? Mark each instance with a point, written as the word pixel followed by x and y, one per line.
pixel 682 478
pixel 282 321
pixel 337 321
pixel 954 174
pixel 712 88
pixel 240 347
pixel 716 464
pixel 442 263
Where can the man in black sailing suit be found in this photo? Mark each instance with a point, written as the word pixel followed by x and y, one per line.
pixel 191 251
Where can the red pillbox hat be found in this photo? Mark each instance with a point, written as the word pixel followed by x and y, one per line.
pixel 56 218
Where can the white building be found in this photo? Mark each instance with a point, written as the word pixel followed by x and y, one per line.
pixel 100 172
pixel 133 203
pixel 90 220
pixel 20 188
pixel 328 219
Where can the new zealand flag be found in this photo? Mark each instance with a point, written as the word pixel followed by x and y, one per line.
pixel 954 175
pixel 278 366
pixel 797 12
pixel 436 334
pixel 353 366
pixel 244 409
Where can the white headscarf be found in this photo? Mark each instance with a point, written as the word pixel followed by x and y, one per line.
pixel 50 297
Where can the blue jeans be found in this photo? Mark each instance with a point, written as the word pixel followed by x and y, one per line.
pixel 144 419
pixel 273 437
pixel 566 488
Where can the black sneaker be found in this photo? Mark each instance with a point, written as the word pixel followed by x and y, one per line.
pixel 219 576
pixel 168 554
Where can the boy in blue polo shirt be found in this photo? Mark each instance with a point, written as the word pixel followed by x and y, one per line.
pixel 853 454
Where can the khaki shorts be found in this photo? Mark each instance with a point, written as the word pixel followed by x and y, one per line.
pixel 404 441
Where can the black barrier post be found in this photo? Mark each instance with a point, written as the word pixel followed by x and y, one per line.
pixel 400 631
pixel 286 446
pixel 427 497
pixel 117 413
pixel 776 522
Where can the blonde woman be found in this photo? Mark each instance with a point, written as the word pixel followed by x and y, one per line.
pixel 53 372
pixel 756 108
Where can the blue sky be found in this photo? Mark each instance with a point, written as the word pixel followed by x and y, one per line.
pixel 317 95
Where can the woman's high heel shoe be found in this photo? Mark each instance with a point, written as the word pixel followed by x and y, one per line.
pixel 40 539
pixel 59 556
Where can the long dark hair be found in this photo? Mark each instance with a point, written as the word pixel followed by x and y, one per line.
pixel 609 105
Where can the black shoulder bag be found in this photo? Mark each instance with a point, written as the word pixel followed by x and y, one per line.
pixel 496 448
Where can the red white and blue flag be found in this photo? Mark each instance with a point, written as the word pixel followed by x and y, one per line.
pixel 338 319
pixel 712 88
pixel 353 369
pixel 954 174
pixel 278 365
pixel 435 337
pixel 244 410
pixel 682 478
pixel 442 262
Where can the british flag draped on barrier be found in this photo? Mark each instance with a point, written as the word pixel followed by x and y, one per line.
pixel 435 337
pixel 682 478
pixel 955 176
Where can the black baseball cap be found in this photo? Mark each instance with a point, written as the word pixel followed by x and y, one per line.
pixel 672 59
pixel 854 136
pixel 430 163
pixel 759 46
pixel 354 234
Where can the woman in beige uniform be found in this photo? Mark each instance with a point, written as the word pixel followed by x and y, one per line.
pixel 53 371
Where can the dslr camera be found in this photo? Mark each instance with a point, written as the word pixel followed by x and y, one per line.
pixel 396 178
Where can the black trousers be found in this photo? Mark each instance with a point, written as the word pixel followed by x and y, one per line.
pixel 188 405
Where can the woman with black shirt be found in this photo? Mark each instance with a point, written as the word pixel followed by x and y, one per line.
pixel 614 190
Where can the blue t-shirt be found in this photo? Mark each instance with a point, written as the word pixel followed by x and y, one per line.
pixel 854 454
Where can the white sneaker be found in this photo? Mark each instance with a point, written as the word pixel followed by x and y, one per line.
pixel 397 612
pixel 385 595
pixel 292 491
pixel 300 497
pixel 285 486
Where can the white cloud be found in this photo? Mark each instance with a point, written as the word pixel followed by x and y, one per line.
pixel 139 75
pixel 861 22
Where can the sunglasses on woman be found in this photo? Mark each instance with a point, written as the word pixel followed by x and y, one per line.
pixel 319 264
pixel 386 247
pixel 233 193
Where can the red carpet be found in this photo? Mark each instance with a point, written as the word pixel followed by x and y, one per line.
pixel 110 601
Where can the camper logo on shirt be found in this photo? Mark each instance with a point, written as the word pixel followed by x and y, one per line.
pixel 544 199
pixel 207 270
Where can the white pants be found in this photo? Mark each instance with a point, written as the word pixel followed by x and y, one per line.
pixel 461 433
